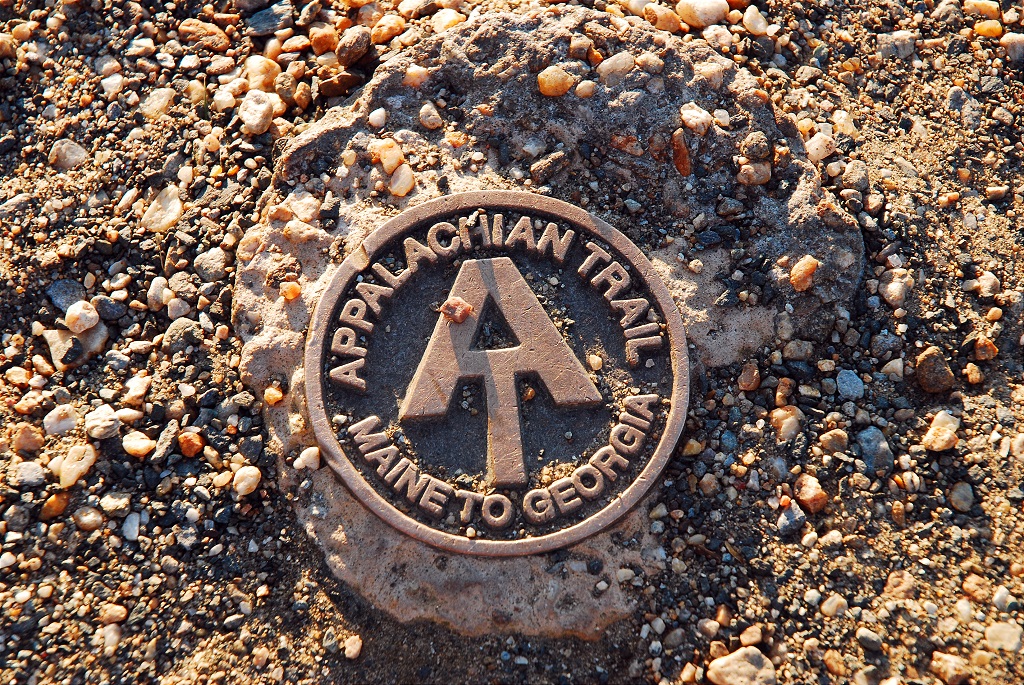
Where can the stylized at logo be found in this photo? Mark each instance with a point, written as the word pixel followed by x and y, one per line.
pixel 450 359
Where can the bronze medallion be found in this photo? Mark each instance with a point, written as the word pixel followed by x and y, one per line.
pixel 497 373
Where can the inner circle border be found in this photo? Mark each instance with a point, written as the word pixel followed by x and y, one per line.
pixel 519 201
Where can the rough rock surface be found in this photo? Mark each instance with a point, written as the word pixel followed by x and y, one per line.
pixel 610 153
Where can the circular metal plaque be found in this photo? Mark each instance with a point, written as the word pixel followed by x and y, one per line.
pixel 497 373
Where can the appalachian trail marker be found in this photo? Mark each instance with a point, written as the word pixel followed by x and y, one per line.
pixel 497 373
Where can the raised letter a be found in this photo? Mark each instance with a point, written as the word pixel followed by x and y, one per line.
pixel 450 357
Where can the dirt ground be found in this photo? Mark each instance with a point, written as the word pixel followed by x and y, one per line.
pixel 146 539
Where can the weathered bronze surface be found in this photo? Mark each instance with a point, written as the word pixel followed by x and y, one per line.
pixel 497 298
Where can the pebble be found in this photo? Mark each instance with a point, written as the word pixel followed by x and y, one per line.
pixel 950 668
pixel 875 450
pixel 1013 43
pixel 88 518
pixel 190 443
pixel 554 81
pixel 786 421
pixel 835 440
pixel 894 285
pixel 65 292
pixel 256 112
pixel 754 21
pixel 116 504
pixel 402 181
pixel 819 147
pixel 157 103
pixel 212 264
pixel 430 117
pixel 138 444
pixel 745 666
pixel 869 639
pixel 354 43
pixel 80 317
pixel 273 19
pixel 181 334
pixel 204 34
pixel 309 458
pixel 74 465
pixel 900 585
pixel 67 154
pixel 941 435
pixel 834 605
pixel 27 438
pixel 54 506
pixel 701 13
pixel 165 210
pixel 750 377
pixel 850 385
pixel 961 497
pixel 353 647
pixel 807 491
pixel 102 422
pixel 28 474
pixel 791 520
pixel 1005 637
pixel 246 480
pixel 896 44
pixel 613 70
pixel 933 372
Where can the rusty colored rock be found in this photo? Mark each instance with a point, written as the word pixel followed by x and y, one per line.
pixel 809 494
pixel 801 276
pixel 933 372
pixel 985 349
pixel 750 377
pixel 456 309
pixel 54 506
pixel 190 443
pixel 680 152
pixel 205 35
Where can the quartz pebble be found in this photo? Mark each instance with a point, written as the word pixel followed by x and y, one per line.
pixel 256 112
pixel 745 666
pixel 702 13
pixel 80 317
pixel 309 458
pixel 164 211
pixel 950 668
pixel 102 422
pixel 246 480
pixel 60 419
pixel 67 154
pixel 353 647
pixel 1004 636
pixel 138 444
pixel 75 465
pixel 801 276
pixel 941 433
pixel 554 81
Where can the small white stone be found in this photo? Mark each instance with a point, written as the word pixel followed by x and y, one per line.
pixel 353 647
pixel 158 102
pixel 819 147
pixel 130 527
pixel 701 13
pixel 402 181
pixel 102 422
pixel 80 317
pixel 246 480
pixel 112 85
pixel 309 458
pixel 614 69
pixel 135 389
pixel 256 112
pixel 177 308
pixel 60 419
pixel 164 212
pixel 377 118
pixel 754 21
pixel 696 118
pixel 138 444
pixel 74 465
pixel 67 154
pixel 430 117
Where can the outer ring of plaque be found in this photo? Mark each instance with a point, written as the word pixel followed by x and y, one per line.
pixel 519 201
